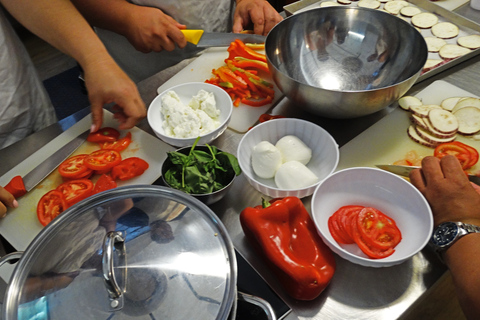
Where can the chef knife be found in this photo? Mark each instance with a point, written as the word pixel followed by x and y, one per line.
pixel 216 39
pixel 19 186
pixel 405 171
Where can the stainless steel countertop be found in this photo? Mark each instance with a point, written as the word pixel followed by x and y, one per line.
pixel 355 292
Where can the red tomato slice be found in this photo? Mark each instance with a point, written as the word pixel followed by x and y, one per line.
pixel 105 182
pixel 50 206
pixel 129 168
pixel 76 190
pixel 104 135
pixel 74 167
pixel 377 230
pixel 118 145
pixel 103 159
pixel 348 214
pixel 459 151
pixel 334 227
pixel 370 251
pixel 473 153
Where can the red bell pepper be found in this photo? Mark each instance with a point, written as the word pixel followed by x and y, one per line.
pixel 285 235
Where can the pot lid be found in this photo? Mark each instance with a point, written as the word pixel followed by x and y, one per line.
pixel 142 252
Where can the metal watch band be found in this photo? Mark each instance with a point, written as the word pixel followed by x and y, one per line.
pixel 470 227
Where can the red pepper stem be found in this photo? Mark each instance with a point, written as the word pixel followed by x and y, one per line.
pixel 265 203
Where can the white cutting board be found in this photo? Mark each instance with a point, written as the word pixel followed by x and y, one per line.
pixel 387 141
pixel 450 4
pixel 243 116
pixel 21 225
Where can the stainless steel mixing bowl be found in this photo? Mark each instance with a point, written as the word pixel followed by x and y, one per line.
pixel 345 62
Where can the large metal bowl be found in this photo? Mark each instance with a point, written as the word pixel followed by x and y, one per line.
pixel 344 62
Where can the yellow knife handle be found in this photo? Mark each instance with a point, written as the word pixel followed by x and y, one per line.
pixel 192 36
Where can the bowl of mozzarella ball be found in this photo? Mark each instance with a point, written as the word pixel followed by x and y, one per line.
pixel 184 112
pixel 287 157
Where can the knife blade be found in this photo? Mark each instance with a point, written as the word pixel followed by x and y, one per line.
pixel 216 39
pixel 19 185
pixel 405 171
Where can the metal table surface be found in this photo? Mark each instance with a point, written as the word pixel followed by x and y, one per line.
pixel 355 292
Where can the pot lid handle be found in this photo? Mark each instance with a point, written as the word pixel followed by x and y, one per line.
pixel 113 239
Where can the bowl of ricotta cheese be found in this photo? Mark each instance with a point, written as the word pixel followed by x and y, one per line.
pixel 181 114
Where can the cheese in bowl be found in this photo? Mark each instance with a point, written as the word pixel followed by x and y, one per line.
pixel 181 114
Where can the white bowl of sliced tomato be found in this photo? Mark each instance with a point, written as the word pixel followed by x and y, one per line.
pixel 371 217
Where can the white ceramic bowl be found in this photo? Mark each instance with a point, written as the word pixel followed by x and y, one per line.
pixel 385 191
pixel 185 92
pixel 325 153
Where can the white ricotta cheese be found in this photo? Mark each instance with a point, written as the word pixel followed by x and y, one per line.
pixel 199 117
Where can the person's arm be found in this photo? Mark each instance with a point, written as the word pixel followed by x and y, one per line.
pixel 146 28
pixel 453 198
pixel 59 23
pixel 258 13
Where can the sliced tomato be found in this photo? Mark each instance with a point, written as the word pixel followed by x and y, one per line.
pixel 104 135
pixel 76 190
pixel 129 168
pixel 459 151
pixel 377 230
pixel 50 206
pixel 118 145
pixel 74 167
pixel 103 159
pixel 348 213
pixel 366 248
pixel 105 182
pixel 335 228
pixel 473 153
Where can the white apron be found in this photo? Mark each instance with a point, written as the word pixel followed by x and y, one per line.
pixel 24 103
pixel 209 15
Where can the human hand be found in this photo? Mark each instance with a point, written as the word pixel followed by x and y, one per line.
pixel 257 12
pixel 107 83
pixel 149 29
pixel 6 200
pixel 448 190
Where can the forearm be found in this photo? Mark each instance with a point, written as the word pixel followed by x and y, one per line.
pixel 60 24
pixel 106 14
pixel 463 259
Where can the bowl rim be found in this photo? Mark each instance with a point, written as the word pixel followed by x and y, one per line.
pixel 348 8
pixel 306 122
pixel 159 97
pixel 365 261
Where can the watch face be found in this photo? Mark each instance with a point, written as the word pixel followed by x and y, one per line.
pixel 445 234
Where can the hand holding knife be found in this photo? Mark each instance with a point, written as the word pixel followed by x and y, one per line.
pixel 405 171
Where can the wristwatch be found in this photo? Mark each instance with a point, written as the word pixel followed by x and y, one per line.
pixel 448 233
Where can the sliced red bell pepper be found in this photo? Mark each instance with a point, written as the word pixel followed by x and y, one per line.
pixel 239 49
pixel 243 63
pixel 286 237
pixel 257 103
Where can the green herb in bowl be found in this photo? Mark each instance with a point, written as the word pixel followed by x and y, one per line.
pixel 200 170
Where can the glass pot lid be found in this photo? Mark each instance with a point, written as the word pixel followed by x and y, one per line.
pixel 142 252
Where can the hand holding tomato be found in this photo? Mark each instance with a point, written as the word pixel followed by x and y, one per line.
pixel 448 190
pixel 6 200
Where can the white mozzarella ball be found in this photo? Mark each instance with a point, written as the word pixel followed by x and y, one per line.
pixel 294 175
pixel 266 159
pixel 292 148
